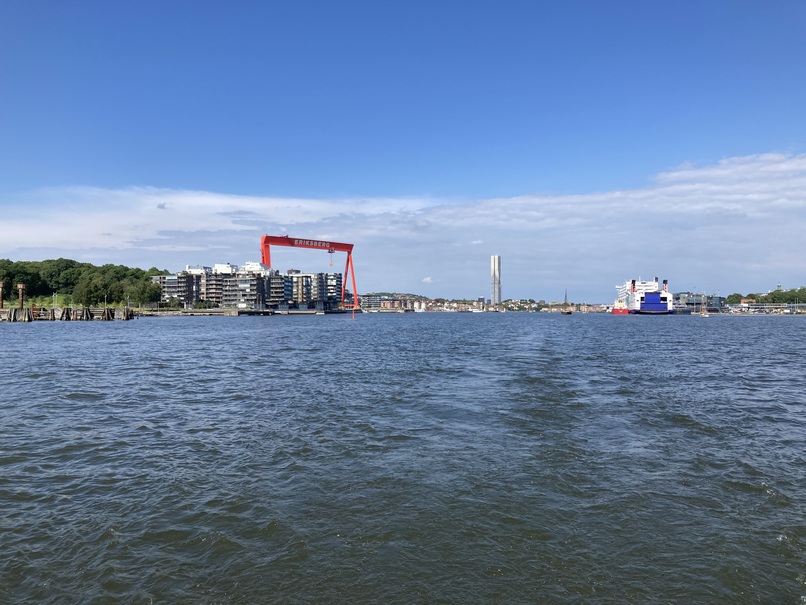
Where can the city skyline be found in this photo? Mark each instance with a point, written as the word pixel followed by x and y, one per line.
pixel 586 143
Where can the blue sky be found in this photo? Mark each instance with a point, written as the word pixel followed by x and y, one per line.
pixel 585 142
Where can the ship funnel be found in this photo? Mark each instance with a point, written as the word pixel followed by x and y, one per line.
pixel 665 285
pixel 633 285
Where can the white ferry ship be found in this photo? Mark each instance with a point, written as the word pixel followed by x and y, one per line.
pixel 645 297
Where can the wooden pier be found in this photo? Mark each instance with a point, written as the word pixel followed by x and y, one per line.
pixel 27 314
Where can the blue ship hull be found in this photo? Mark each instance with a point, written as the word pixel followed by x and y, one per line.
pixel 654 303
pixel 645 298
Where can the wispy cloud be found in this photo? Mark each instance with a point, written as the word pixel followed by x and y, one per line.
pixel 730 226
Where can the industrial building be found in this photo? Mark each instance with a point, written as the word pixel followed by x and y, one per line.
pixel 694 302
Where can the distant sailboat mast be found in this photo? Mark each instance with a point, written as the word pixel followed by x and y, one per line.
pixel 566 308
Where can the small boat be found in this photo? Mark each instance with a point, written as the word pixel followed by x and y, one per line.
pixel 703 312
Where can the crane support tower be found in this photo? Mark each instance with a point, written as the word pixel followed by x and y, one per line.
pixel 267 241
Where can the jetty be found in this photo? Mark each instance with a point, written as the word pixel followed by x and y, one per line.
pixel 32 313
pixel 36 313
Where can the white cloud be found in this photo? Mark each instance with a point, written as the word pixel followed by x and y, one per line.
pixel 730 226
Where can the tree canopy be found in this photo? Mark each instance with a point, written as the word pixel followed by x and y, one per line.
pixel 796 295
pixel 84 283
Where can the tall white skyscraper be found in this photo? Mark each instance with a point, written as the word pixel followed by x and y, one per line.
pixel 495 280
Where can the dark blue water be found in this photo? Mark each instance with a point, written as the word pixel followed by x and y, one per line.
pixel 428 458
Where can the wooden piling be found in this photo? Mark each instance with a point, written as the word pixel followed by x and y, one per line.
pixel 34 313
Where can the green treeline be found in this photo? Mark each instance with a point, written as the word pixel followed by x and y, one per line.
pixel 78 283
pixel 776 296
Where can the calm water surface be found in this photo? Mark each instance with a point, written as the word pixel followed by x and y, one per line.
pixel 423 458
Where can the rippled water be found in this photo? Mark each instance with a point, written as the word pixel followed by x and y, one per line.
pixel 420 458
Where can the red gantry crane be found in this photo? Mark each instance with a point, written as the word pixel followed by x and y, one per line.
pixel 291 242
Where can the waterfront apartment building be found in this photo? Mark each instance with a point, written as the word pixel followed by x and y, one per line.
pixel 327 287
pixel 251 286
pixel 306 288
pixel 174 286
pixel 301 287
pixel 495 280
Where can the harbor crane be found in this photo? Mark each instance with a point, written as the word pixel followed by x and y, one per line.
pixel 267 241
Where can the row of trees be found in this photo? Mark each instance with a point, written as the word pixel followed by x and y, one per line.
pixel 780 297
pixel 80 283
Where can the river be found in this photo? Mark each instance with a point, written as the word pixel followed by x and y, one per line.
pixel 417 458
